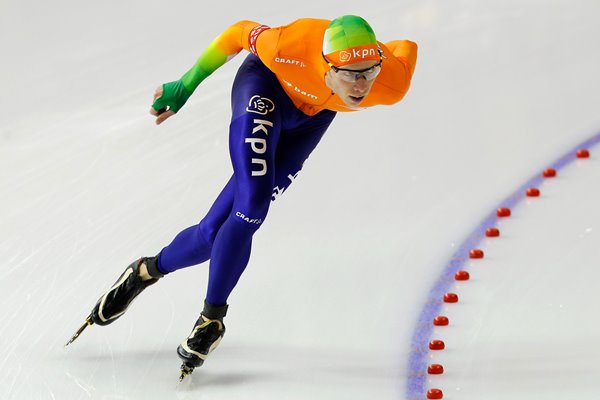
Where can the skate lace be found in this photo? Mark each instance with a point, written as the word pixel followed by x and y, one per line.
pixel 207 323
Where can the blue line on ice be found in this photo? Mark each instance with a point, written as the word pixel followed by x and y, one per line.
pixel 417 369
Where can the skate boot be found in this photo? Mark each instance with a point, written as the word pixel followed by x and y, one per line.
pixel 205 337
pixel 137 276
pixel 117 299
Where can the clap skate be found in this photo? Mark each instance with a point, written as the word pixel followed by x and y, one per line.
pixel 137 276
pixel 205 337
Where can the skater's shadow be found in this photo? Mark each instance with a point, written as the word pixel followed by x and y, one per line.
pixel 201 379
pixel 127 356
pixel 166 363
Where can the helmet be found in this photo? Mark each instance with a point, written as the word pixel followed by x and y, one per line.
pixel 349 39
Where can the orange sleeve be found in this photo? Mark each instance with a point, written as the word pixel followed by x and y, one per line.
pixel 266 45
pixel 406 52
pixel 235 38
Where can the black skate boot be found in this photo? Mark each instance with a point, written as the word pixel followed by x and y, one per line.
pixel 205 337
pixel 117 299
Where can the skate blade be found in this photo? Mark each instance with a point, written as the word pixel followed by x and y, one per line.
pixel 87 323
pixel 185 371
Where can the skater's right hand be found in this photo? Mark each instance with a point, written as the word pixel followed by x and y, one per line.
pixel 168 99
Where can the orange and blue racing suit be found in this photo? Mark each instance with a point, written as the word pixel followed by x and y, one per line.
pixel 281 107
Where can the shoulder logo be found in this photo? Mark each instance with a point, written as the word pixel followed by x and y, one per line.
pixel 260 105
pixel 253 35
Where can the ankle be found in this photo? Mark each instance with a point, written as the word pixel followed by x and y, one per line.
pixel 143 273
pixel 148 269
pixel 211 311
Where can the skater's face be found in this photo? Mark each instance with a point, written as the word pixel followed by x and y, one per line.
pixel 353 83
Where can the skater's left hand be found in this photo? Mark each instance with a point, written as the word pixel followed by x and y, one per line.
pixel 163 113
pixel 168 99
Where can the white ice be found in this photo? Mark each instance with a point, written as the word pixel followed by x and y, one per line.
pixel 342 269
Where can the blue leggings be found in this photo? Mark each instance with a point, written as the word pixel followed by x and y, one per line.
pixel 269 140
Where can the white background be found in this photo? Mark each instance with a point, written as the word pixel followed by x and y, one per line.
pixel 342 269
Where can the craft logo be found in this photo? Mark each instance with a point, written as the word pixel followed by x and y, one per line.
pixel 291 61
pixel 260 105
pixel 256 221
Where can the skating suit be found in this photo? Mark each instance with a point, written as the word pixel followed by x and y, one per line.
pixel 281 108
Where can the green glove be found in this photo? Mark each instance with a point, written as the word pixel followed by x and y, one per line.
pixel 174 96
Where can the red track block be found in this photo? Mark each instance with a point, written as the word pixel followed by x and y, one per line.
pixel 492 232
pixel 437 345
pixel 462 276
pixel 503 212
pixel 476 253
pixel 435 394
pixel 435 369
pixel 440 320
pixel 583 153
pixel 533 192
pixel 549 173
pixel 450 298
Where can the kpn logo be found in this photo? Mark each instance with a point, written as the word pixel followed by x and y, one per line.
pixel 347 55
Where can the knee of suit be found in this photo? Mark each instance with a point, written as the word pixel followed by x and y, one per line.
pixel 253 210
pixel 207 231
